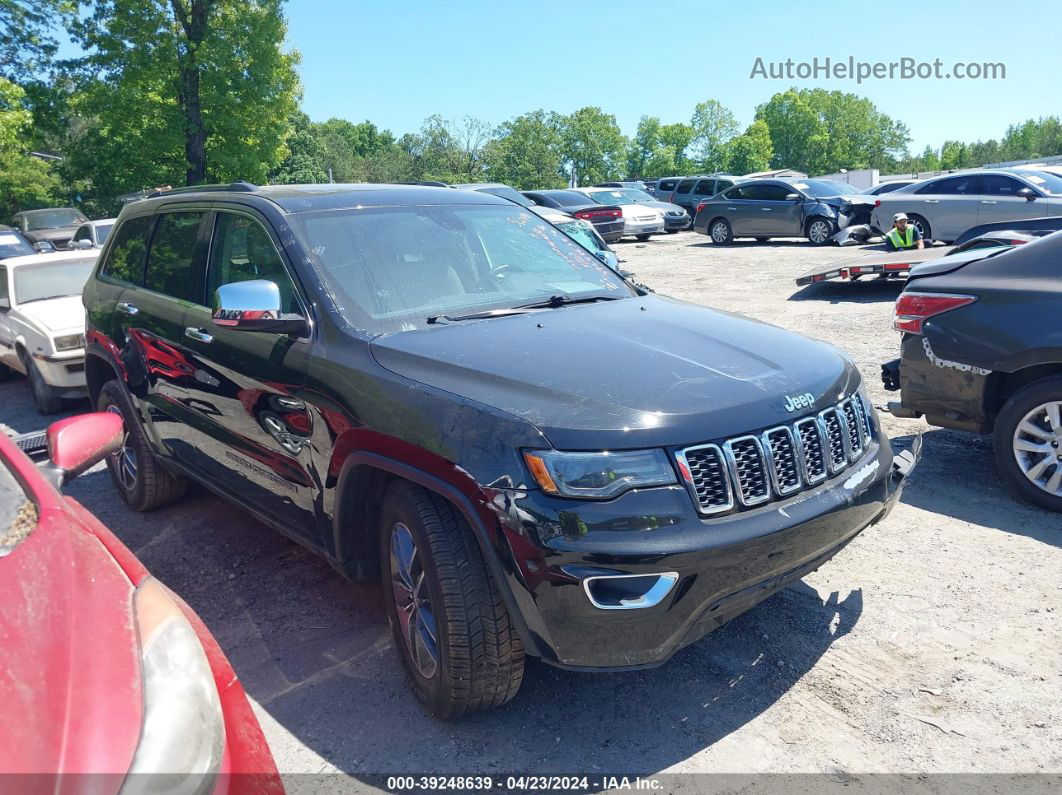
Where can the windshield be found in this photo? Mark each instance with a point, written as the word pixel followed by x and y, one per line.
pixel 508 193
pixel 1049 183
pixel 824 188
pixel 610 197
pixel 51 279
pixel 11 245
pixel 53 219
pixel 582 232
pixel 391 268
pixel 639 196
pixel 102 230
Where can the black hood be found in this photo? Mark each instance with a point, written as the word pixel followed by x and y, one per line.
pixel 640 372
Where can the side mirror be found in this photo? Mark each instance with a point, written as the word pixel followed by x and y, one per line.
pixel 792 197
pixel 1028 193
pixel 83 244
pixel 79 443
pixel 43 247
pixel 254 305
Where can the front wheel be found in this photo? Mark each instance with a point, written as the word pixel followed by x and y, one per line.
pixel 45 396
pixel 721 233
pixel 819 230
pixel 641 238
pixel 454 635
pixel 1028 442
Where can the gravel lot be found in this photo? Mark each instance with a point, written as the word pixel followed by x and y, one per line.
pixel 931 644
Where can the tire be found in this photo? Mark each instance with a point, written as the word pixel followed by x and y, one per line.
pixel 45 396
pixel 819 230
pixel 672 231
pixel 137 474
pixel 922 225
pixel 475 660
pixel 720 232
pixel 1037 407
pixel 5 372
pixel 641 238
pixel 762 239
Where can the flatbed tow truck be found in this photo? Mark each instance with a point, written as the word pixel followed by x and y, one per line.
pixel 874 261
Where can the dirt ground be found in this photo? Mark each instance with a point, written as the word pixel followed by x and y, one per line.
pixel 931 644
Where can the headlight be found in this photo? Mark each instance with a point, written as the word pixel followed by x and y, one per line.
pixel 184 729
pixel 598 475
pixel 71 342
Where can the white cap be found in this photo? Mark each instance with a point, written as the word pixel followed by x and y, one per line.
pixel 899 217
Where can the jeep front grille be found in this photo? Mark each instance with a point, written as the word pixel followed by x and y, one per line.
pixel 752 469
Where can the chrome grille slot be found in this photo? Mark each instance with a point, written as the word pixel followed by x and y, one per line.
pixel 855 432
pixel 864 417
pixel 834 429
pixel 782 456
pixel 711 485
pixel 749 469
pixel 809 434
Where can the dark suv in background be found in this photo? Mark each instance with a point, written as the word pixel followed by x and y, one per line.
pixel 440 388
pixel 691 191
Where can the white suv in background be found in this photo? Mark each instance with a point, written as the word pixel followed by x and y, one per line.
pixel 42 323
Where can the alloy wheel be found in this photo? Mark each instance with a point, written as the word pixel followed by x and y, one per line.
pixel 413 602
pixel 1038 447
pixel 818 232
pixel 124 458
pixel 719 232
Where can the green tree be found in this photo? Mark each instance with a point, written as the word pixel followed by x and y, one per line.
pixel 526 152
pixel 594 148
pixel 27 40
pixel 954 154
pixel 25 182
pixel 182 91
pixel 645 142
pixel 821 131
pixel 677 137
pixel 713 126
pixel 751 151
pixel 305 155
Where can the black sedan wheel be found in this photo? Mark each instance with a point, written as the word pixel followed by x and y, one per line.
pixel 1028 442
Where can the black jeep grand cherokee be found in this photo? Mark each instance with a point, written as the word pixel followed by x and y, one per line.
pixel 440 387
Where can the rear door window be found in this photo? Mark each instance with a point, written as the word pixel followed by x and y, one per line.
pixel 174 264
pixel 125 261
pixel 685 185
pixel 953 186
pixel 706 187
pixel 666 185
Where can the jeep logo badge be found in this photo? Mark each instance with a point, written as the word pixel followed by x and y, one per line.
pixel 804 401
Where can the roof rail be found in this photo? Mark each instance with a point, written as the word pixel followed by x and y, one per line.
pixel 232 187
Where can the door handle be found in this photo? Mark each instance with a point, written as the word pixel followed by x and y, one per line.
pixel 765 209
pixel 198 335
pixel 931 201
pixel 129 309
pixel 983 201
pixel 731 208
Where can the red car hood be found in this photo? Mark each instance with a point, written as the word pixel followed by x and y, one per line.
pixel 69 660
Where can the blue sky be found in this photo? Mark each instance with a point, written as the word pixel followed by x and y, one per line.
pixel 395 63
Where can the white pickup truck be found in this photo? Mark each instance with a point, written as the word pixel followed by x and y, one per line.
pixel 42 323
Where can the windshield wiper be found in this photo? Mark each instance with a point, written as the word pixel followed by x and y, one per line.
pixel 552 302
pixel 46 298
pixel 555 301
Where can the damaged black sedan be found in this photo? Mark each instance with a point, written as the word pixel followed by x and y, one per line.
pixel 982 352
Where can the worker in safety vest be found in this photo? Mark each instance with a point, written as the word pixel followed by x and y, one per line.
pixel 902 236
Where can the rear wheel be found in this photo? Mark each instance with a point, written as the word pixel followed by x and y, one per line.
pixel 457 643
pixel 1028 442
pixel 819 230
pixel 136 472
pixel 642 238
pixel 720 232
pixel 45 397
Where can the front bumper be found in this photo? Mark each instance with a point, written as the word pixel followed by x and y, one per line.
pixel 677 222
pixel 725 565
pixel 65 371
pixel 610 231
